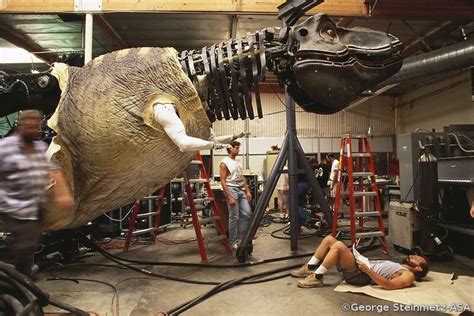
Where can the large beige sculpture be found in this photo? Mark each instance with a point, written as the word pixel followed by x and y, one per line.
pixel 110 143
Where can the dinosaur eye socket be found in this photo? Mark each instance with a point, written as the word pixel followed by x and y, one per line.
pixel 328 32
pixel 303 32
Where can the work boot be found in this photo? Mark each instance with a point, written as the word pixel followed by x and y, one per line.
pixel 311 281
pixel 302 272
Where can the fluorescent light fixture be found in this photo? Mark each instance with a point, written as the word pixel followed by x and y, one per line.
pixel 9 55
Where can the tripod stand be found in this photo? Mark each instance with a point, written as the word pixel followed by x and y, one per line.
pixel 292 152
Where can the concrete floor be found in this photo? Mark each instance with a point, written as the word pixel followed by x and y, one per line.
pixel 140 294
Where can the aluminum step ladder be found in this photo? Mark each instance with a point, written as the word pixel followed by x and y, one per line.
pixel 154 218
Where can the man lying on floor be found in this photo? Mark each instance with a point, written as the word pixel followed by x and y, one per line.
pixel 389 275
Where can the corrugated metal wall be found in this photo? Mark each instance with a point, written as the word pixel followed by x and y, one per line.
pixel 375 113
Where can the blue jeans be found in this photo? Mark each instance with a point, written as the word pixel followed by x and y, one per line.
pixel 239 214
pixel 302 189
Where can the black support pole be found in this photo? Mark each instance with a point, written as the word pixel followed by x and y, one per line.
pixel 292 169
pixel 291 150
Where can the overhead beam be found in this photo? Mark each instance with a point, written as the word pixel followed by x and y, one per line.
pixel 432 35
pixel 117 41
pixel 13 37
pixel 331 7
pixel 423 10
pixel 408 9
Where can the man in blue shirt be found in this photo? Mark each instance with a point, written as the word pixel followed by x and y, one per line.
pixel 25 175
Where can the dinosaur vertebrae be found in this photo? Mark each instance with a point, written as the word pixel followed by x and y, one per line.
pixel 232 69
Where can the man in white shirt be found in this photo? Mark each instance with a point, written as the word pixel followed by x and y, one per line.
pixel 237 192
pixel 332 182
pixel 283 190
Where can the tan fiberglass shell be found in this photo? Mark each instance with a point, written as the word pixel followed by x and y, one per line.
pixel 109 146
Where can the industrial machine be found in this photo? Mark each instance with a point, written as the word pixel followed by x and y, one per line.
pixel 436 188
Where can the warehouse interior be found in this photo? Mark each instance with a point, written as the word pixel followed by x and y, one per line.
pixel 354 119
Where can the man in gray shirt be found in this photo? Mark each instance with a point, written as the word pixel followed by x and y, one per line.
pixel 25 174
pixel 388 274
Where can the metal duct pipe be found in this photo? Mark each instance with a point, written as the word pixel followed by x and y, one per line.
pixel 453 57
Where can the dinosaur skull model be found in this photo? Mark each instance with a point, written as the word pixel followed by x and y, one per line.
pixel 130 121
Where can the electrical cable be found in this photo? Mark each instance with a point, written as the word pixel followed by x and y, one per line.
pixel 266 221
pixel 286 231
pixel 91 245
pixel 123 218
pixel 64 267
pixel 220 286
pixel 21 296
pixel 459 144
pixel 281 101
pixel 9 88
pixel 115 297
pixel 257 280
pixel 224 286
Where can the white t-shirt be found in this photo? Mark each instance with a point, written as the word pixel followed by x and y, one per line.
pixel 283 182
pixel 236 173
pixel 334 167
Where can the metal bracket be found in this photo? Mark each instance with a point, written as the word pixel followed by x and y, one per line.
pixel 87 5
pixel 370 6
pixel 290 11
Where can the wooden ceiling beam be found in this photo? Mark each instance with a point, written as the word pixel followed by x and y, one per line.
pixel 422 10
pixel 406 9
pixel 12 36
pixel 331 7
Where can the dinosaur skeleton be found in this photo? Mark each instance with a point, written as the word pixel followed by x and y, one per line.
pixel 224 74
pixel 129 121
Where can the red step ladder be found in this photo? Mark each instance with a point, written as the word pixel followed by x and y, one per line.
pixel 358 168
pixel 215 218
pixel 216 215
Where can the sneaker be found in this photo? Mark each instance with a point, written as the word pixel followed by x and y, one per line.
pixel 234 246
pixel 311 281
pixel 302 272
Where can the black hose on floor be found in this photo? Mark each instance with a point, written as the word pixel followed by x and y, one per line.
pixel 224 286
pixel 115 297
pixel 20 296
pixel 286 231
pixel 93 246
